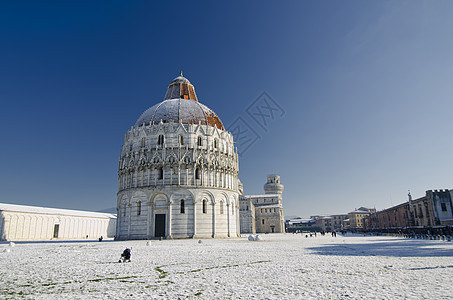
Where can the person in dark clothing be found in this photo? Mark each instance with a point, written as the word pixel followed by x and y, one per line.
pixel 126 256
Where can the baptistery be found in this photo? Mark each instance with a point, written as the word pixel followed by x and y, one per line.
pixel 178 172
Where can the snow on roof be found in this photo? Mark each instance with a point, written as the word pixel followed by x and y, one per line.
pixel 298 221
pixel 261 196
pixel 268 206
pixel 54 211
pixel 359 212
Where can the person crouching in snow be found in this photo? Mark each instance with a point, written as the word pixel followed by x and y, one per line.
pixel 126 256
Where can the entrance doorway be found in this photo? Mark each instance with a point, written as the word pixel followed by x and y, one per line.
pixel 159 225
pixel 56 230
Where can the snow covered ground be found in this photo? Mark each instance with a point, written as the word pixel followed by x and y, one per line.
pixel 281 266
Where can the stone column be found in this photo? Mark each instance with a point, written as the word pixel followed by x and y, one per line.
pixel 210 176
pixel 129 222
pixel 149 220
pixel 169 219
pixel 179 174
pixel 194 219
pixel 153 219
pixel 228 217
pixel 238 227
pixel 213 219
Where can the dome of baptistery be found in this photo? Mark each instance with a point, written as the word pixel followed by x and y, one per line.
pixel 178 172
pixel 180 105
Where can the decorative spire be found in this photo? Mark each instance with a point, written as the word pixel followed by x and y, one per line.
pixel 180 72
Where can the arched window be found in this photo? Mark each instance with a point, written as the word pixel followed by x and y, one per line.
pixel 204 206
pixel 221 207
pixel 232 208
pixel 124 210
pixel 139 208
pixel 263 221
pixel 197 173
pixel 143 142
pixel 160 140
pixel 130 147
pixel 161 173
pixel 181 140
pixel 215 143
pixel 181 206
pixel 199 141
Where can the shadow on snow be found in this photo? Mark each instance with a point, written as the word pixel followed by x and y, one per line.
pixel 393 248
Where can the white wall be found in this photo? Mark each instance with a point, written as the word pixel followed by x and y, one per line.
pixel 22 226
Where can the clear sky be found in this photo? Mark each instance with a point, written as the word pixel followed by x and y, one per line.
pixel 365 86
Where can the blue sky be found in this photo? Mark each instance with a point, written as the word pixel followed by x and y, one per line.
pixel 366 87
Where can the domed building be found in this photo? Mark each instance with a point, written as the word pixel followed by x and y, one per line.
pixel 178 172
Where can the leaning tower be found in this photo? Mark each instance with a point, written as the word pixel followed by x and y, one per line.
pixel 273 185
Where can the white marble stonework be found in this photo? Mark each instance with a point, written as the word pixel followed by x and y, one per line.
pixel 178 172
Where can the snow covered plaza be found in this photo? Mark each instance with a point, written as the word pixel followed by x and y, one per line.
pixel 280 266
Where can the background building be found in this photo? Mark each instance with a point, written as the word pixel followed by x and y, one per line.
pixel 435 209
pixel 264 211
pixel 394 217
pixel 330 222
pixel 357 218
pixel 299 224
pixel 324 223
pixel 31 223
